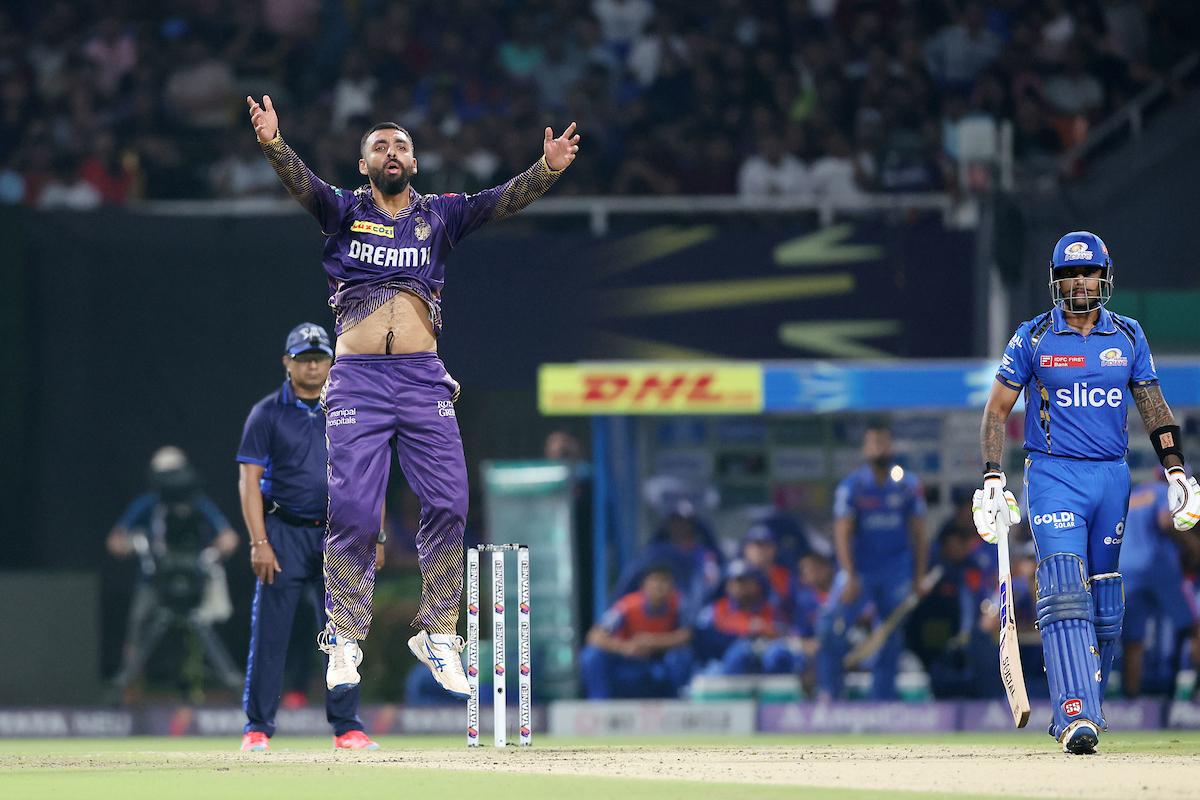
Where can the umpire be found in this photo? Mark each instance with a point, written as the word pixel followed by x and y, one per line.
pixel 283 487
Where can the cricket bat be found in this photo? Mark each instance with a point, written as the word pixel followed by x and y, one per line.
pixel 1011 673
pixel 875 640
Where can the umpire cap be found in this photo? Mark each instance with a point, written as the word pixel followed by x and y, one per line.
pixel 307 337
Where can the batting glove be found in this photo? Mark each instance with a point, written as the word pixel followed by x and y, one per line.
pixel 994 508
pixel 1183 496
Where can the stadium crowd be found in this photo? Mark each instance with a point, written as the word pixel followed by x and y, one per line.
pixel 763 97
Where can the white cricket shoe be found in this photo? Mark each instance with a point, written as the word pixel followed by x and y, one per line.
pixel 344 657
pixel 440 652
pixel 1080 738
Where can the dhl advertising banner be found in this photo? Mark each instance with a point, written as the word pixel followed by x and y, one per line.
pixel 795 387
pixel 650 388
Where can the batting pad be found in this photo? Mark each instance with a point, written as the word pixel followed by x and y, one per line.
pixel 1065 618
pixel 1108 593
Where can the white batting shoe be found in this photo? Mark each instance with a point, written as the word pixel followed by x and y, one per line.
pixel 1080 738
pixel 440 652
pixel 344 657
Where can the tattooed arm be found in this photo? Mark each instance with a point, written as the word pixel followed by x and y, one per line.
pixel 1155 413
pixel 991 431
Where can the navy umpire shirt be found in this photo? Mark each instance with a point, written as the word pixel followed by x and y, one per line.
pixel 286 437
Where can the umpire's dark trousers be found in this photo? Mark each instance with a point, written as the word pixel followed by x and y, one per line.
pixel 299 551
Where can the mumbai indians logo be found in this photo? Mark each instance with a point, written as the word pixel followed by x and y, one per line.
pixel 473 609
pixel 1076 251
pixel 1072 707
pixel 1113 357
pixel 499 669
pixel 472 670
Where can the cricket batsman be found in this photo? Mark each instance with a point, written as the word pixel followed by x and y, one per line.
pixel 385 257
pixel 1074 363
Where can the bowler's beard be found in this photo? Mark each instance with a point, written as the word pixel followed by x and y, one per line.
pixel 389 184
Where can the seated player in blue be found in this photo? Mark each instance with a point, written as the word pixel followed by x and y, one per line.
pixel 639 648
pixel 686 545
pixel 1076 363
pixel 814 582
pixel 1153 573
pixel 284 493
pixel 761 551
pixel 879 534
pixel 946 631
pixel 742 632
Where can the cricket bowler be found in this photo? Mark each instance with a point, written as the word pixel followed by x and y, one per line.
pixel 385 257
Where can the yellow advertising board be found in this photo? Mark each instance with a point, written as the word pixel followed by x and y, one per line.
pixel 648 387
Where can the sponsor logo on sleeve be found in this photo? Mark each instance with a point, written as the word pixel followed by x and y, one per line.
pixel 1113 357
pixel 1076 251
pixel 1063 361
pixel 1016 340
pixel 365 226
pixel 1118 533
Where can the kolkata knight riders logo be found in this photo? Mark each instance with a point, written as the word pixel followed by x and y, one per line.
pixel 422 229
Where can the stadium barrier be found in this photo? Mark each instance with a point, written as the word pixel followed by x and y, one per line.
pixel 613 718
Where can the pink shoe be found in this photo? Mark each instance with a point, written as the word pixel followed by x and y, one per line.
pixel 255 742
pixel 354 740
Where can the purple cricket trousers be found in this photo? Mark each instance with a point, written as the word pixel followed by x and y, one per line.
pixel 371 402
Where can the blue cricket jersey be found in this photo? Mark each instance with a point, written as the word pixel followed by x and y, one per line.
pixel 881 518
pixel 1075 399
pixel 287 439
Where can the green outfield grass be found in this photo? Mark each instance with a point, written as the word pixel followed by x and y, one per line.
pixel 299 768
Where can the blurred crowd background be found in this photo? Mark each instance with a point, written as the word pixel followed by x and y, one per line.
pixel 105 103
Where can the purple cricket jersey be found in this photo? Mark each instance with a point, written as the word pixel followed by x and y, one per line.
pixel 373 401
pixel 370 255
